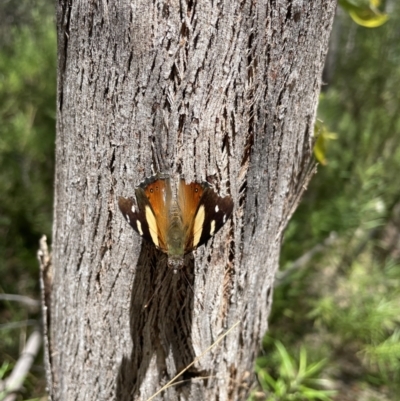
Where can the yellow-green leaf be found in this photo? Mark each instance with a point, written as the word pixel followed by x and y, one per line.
pixel 368 18
pixel 321 144
pixel 365 13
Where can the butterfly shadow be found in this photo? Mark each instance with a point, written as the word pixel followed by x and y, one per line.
pixel 162 330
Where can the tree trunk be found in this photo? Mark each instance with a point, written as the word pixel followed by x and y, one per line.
pixel 208 89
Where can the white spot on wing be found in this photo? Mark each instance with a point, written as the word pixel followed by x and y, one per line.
pixel 127 218
pixel 151 221
pixel 212 231
pixel 224 219
pixel 133 209
pixel 198 225
pixel 216 209
pixel 139 227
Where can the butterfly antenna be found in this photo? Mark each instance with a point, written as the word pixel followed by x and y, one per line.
pixel 191 287
pixel 156 290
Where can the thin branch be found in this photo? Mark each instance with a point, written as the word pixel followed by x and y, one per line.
pixel 20 298
pixel 17 325
pixel 172 381
pixel 14 382
pixel 46 280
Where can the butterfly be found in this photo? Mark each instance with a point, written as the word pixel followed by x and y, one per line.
pixel 177 219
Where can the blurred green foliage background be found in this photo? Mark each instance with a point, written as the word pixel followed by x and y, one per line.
pixel 335 325
pixel 27 133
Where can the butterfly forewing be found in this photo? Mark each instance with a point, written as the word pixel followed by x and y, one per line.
pixel 204 212
pixel 150 217
pixel 158 194
pixel 216 210
pixel 135 216
pixel 189 196
pixel 176 224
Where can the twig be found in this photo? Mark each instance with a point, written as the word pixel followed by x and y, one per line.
pixel 170 383
pixel 14 382
pixel 20 298
pixel 46 280
pixel 17 325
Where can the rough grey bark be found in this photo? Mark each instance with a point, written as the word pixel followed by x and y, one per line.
pixel 226 90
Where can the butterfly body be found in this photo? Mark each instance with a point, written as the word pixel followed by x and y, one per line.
pixel 175 216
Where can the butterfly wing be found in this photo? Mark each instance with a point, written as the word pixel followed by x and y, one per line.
pixel 150 218
pixel 217 211
pixel 204 212
pixel 189 196
pixel 201 211
pixel 158 195
pixel 135 216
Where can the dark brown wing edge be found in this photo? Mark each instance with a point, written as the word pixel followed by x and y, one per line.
pixel 217 209
pixel 133 215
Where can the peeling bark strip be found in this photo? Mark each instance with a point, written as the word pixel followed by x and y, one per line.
pixel 226 90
